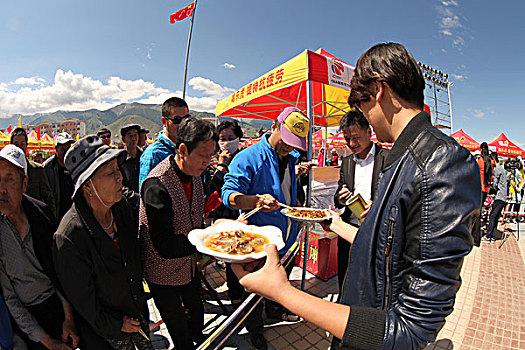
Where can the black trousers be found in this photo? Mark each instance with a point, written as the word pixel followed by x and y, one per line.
pixel 50 316
pixel 169 300
pixel 495 213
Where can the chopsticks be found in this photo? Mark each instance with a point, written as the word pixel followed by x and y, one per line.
pixel 245 216
pixel 143 334
pixel 285 206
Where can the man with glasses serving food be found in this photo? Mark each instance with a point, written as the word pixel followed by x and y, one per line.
pixel 174 110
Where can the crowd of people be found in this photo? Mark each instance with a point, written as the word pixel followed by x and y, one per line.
pixel 80 233
pixel 500 185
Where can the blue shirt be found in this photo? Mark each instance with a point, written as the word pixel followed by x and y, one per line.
pixel 154 154
pixel 6 338
pixel 256 171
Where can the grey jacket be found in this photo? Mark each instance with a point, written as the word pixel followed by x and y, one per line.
pixel 500 183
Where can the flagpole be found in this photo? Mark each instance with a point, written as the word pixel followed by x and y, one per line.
pixel 188 51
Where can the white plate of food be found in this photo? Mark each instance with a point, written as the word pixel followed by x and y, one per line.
pixel 306 214
pixel 235 242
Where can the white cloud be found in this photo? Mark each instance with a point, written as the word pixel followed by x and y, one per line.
pixel 29 81
pixel 145 53
pixel 459 76
pixel 209 87
pixel 228 65
pixel 478 113
pixel 450 23
pixel 73 91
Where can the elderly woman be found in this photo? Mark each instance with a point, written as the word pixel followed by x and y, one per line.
pixel 96 252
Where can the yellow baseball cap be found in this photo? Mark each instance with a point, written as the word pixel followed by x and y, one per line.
pixel 294 127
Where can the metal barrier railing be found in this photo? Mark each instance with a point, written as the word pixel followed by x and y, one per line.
pixel 285 261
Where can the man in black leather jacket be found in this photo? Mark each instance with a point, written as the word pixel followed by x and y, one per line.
pixel 404 271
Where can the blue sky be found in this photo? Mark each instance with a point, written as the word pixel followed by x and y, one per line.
pixel 73 55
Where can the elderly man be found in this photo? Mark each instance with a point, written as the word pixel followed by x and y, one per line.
pixel 404 271
pixel 105 135
pixel 58 177
pixel 38 185
pixel 268 168
pixel 172 205
pixel 131 166
pixel 174 111
pixel 27 277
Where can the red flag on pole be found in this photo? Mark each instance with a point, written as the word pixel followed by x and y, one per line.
pixel 182 14
pixel 38 133
pixel 9 128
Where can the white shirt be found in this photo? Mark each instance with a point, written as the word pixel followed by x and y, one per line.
pixel 364 169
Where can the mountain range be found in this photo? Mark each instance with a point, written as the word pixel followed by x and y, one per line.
pixel 146 115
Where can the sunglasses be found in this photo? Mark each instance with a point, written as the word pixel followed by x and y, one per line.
pixel 177 120
pixel 105 137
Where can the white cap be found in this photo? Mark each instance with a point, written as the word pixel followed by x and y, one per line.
pixel 14 155
pixel 63 137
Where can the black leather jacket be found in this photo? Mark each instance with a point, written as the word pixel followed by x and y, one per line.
pixel 407 256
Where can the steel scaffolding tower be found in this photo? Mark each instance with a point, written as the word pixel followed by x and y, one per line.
pixel 437 97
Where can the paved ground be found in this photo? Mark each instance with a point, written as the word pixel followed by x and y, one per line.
pixel 489 312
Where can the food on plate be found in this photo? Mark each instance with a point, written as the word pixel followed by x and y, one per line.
pixel 308 213
pixel 236 242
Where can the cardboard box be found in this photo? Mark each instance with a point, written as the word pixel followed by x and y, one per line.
pixel 322 255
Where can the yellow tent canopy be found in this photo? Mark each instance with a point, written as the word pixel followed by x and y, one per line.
pixel 318 83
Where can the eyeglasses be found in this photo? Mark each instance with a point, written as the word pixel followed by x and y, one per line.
pixel 105 137
pixel 177 120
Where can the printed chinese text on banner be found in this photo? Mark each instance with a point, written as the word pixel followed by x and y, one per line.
pixel 286 85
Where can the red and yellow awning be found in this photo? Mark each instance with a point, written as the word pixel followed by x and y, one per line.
pixel 286 85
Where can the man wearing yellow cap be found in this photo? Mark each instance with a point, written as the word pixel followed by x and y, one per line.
pixel 268 168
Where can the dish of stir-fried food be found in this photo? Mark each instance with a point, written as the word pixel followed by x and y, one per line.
pixel 307 213
pixel 236 242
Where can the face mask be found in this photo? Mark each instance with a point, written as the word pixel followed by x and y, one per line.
pixel 230 146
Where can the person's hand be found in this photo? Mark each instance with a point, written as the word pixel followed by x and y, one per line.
pixel 225 157
pixel 130 325
pixel 330 224
pixel 54 344
pixel 267 202
pixel 344 194
pixel 367 209
pixel 270 281
pixel 69 333
pixel 303 169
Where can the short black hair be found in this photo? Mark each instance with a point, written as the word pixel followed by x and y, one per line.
pixel 494 156
pixel 103 131
pixel 226 124
pixel 392 64
pixel 18 132
pixel 172 102
pixel 193 130
pixel 353 117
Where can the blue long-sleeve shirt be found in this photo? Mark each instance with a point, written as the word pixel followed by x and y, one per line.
pixel 256 171
pixel 154 154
